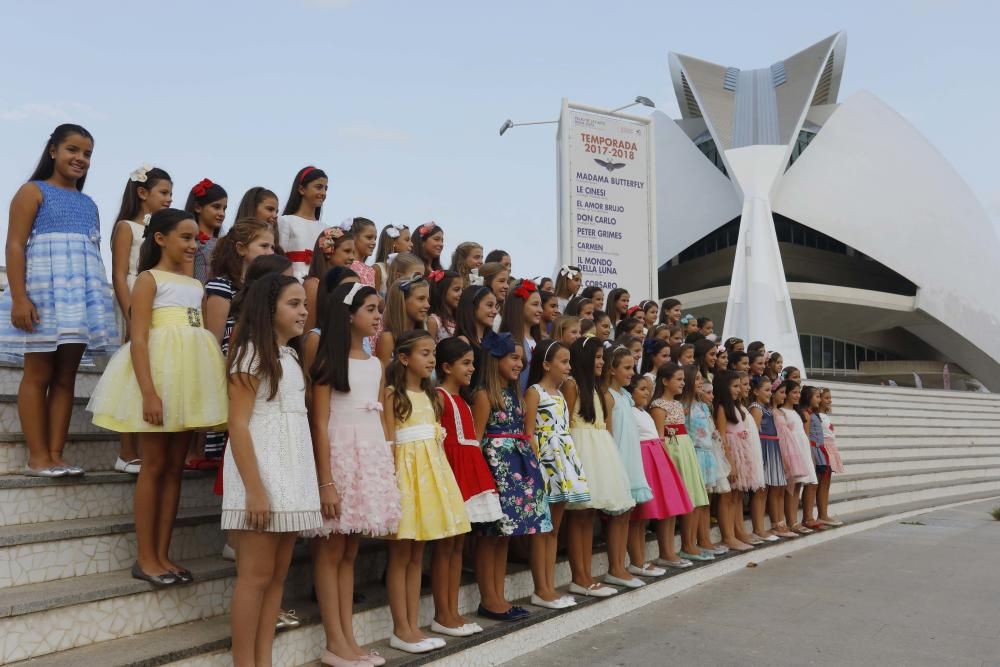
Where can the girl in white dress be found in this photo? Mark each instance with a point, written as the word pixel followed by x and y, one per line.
pixel 271 491
pixel 299 225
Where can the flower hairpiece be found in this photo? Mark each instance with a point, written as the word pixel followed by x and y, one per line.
pixel 139 175
pixel 328 240
pixel 392 232
pixel 427 228
pixel 475 280
pixel 436 275
pixel 525 289
pixel 202 187
pixel 353 292
pixel 499 345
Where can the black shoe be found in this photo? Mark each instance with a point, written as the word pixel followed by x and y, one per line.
pixel 183 576
pixel 158 580
pixel 512 614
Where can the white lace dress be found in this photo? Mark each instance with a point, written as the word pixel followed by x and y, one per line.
pixel 282 445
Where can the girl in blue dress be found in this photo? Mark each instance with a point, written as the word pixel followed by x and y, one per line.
pixel 58 302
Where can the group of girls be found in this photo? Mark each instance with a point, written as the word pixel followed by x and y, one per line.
pixel 358 388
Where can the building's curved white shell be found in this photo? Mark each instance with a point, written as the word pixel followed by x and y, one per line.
pixel 870 180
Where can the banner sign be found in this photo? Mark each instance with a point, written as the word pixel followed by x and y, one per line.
pixel 606 203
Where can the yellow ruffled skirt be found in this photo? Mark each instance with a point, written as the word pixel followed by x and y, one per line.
pixel 189 374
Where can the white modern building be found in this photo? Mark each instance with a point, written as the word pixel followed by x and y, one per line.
pixel 830 229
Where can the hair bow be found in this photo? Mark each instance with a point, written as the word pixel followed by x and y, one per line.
pixel 525 289
pixel 475 280
pixel 328 239
pixel 145 219
pixel 347 223
pixel 427 228
pixel 776 384
pixel 435 276
pixel 632 311
pixel 719 349
pixel 567 271
pixel 391 257
pixel 405 285
pixel 499 345
pixel 201 188
pixel 687 318
pixel 139 175
pixel 353 292
pixel 392 232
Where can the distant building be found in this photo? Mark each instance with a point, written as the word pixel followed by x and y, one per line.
pixel 848 236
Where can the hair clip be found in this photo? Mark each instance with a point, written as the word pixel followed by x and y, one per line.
pixel 391 232
pixel 499 345
pixel 525 289
pixel 353 292
pixel 201 188
pixel 475 280
pixel 139 175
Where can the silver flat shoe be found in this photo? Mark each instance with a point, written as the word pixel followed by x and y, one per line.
pixel 73 471
pixel 51 472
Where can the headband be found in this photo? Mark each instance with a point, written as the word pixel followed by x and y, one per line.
pixel 475 280
pixel 328 240
pixel 392 232
pixel 139 175
pixel 304 172
pixel 498 345
pixel 548 350
pixel 202 187
pixel 353 292
pixel 525 289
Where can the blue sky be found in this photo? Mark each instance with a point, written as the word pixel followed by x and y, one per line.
pixel 400 102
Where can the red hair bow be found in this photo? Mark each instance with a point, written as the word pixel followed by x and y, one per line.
pixel 633 310
pixel 435 275
pixel 201 187
pixel 525 289
pixel 426 228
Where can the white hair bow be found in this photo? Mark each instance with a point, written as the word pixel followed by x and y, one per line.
pixel 566 271
pixel 392 256
pixel 355 288
pixel 475 280
pixel 392 232
pixel 139 175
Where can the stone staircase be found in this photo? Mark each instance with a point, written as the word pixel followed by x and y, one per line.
pixel 66 597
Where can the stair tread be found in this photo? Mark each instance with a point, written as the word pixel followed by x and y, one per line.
pixel 904 488
pixel 17 437
pixel 213 634
pixel 50 531
pixel 911 471
pixel 96 477
pixel 905 459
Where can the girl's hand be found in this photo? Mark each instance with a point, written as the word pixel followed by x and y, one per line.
pixel 731 477
pixel 329 502
pixel 23 315
pixel 258 511
pixel 152 410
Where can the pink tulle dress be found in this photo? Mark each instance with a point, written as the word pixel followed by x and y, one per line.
pixel 749 476
pixel 361 460
pixel 830 442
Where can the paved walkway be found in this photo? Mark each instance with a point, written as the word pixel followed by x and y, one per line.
pixel 925 591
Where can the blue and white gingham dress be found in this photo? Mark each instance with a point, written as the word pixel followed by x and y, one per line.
pixel 65 279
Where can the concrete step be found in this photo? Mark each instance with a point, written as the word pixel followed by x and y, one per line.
pixel 92 451
pixel 854 389
pixel 861 454
pixel 843 504
pixel 34 553
pixel 970 429
pixel 863 406
pixel 915 462
pixel 10 380
pixel 924 420
pixel 205 643
pixel 30 500
pixel 846 441
pixel 848 483
pixel 80 420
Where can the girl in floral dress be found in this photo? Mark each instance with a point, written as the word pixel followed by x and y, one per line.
pixel 497 406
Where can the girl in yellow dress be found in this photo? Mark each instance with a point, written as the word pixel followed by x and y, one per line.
pixel 433 507
pixel 168 380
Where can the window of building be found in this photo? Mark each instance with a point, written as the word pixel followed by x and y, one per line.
pixel 833 355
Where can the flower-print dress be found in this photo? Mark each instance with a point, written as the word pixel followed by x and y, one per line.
pixel 516 471
pixel 565 480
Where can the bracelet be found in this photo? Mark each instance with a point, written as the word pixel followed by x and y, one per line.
pixel 325 485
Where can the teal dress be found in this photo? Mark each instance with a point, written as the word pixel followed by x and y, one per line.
pixel 626 433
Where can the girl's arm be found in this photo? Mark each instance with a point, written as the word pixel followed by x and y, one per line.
pixel 216 314
pixel 570 393
pixel 389 415
pixel 757 414
pixel 659 416
pixel 531 399
pixel 319 419
pixel 480 413
pixel 311 286
pixel 142 314
pixel 379 278
pixel 242 395
pixel 23 209
pixel 386 411
pixel 720 426
pixel 310 346
pixel 121 248
pixel 432 326
pixel 609 401
pixel 383 348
